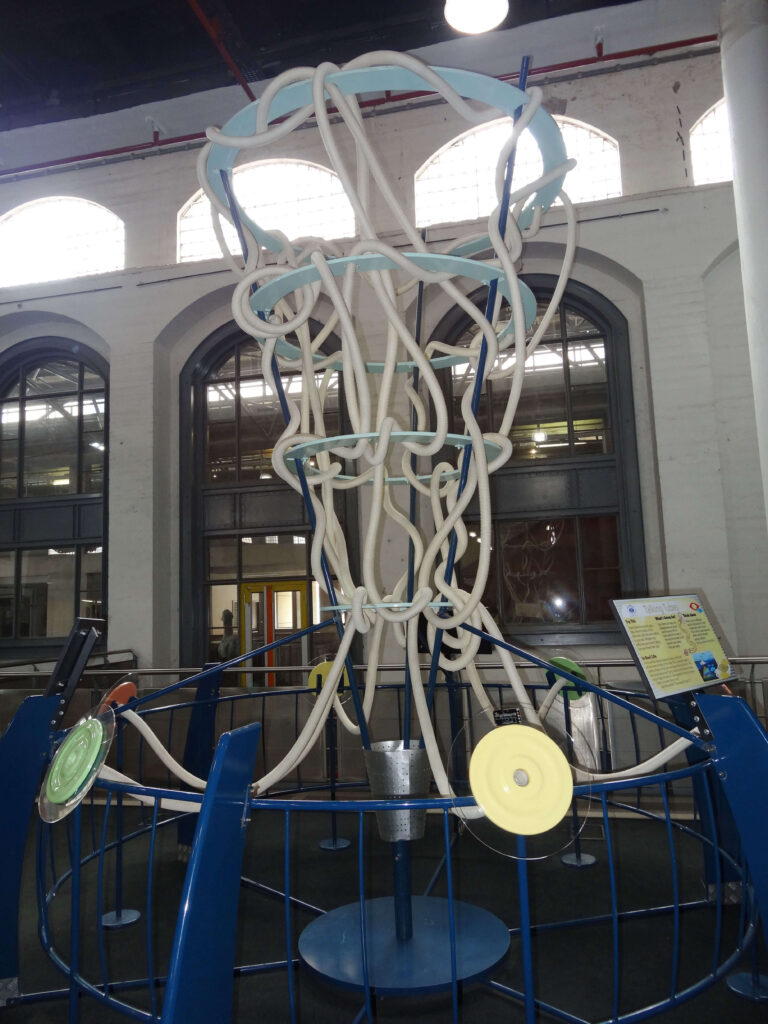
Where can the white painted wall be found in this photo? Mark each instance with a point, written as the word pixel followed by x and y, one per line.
pixel 665 254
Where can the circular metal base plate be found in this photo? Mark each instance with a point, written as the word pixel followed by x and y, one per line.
pixel 119 918
pixel 578 860
pixel 331 945
pixel 745 984
pixel 334 844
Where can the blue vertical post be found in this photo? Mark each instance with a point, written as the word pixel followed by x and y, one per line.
pixel 467 454
pixel 23 753
pixel 328 581
pixel 199 988
pixel 199 745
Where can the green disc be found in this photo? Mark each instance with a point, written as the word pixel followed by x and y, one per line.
pixel 74 761
pixel 569 691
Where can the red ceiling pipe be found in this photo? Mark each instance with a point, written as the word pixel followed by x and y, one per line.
pixel 387 99
pixel 212 28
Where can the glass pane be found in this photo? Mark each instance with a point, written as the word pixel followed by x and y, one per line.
pixel 222 558
pixel 223 631
pixel 91 586
pixel 91 379
pixel 540 428
pixel 540 579
pixel 9 449
pixel 7 584
pixel 589 398
pixel 261 424
pixel 50 447
pixel 273 556
pixel 467 571
pixel 578 325
pixel 54 375
pixel 600 555
pixel 92 455
pixel 220 444
pixel 553 331
pixel 47 592
pixel 226 371
pixel 250 360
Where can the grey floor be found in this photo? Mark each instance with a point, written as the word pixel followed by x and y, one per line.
pixel 573 966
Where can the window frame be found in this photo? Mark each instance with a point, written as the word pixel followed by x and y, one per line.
pixel 83 514
pixel 576 471
pixel 194 491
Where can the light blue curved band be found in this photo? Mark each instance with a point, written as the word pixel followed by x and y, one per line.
pixel 469 84
pixel 302 452
pixel 264 299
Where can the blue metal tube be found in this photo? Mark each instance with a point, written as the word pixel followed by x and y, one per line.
pixel 329 588
pixel 412 517
pixel 100 895
pixel 477 391
pixel 401 869
pixel 675 965
pixel 525 929
pixel 149 929
pixel 218 669
pixel 614 906
pixel 586 685
pixel 451 916
pixel 363 922
pixel 74 927
pixel 288 932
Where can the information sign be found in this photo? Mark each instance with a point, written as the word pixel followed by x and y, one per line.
pixel 673 643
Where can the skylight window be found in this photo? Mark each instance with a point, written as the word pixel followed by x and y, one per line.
pixel 300 199
pixel 59 237
pixel 458 182
pixel 711 159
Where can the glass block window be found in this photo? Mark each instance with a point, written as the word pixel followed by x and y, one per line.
pixel 59 237
pixel 458 182
pixel 711 159
pixel 293 196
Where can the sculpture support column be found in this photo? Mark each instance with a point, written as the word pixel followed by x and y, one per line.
pixel 744 55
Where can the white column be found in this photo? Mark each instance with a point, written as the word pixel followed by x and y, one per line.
pixel 744 54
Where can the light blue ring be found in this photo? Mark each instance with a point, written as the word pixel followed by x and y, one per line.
pixel 305 450
pixel 264 299
pixel 504 97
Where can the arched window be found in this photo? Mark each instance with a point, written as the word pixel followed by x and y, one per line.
pixel 711 159
pixel 245 533
pixel 59 237
pixel 458 182
pixel 293 196
pixel 53 445
pixel 567 523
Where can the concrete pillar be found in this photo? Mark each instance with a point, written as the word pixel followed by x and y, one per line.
pixel 744 54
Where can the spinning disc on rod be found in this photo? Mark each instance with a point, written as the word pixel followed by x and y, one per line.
pixel 522 780
pixel 75 765
pixel 123 691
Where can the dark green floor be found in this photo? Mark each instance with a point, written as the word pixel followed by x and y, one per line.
pixel 573 966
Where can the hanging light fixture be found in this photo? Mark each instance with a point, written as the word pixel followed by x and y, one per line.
pixel 475 16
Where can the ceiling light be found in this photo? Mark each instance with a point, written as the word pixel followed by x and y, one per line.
pixel 475 16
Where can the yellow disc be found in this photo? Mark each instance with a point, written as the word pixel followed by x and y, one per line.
pixel 521 779
pixel 319 673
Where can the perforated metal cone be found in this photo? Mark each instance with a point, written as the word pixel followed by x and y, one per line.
pixel 395 773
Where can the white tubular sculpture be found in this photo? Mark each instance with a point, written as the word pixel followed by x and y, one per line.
pixel 283 284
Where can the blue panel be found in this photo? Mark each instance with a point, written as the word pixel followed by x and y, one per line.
pixel 199 989
pixel 741 759
pixel 201 736
pixel 331 945
pixel 23 753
